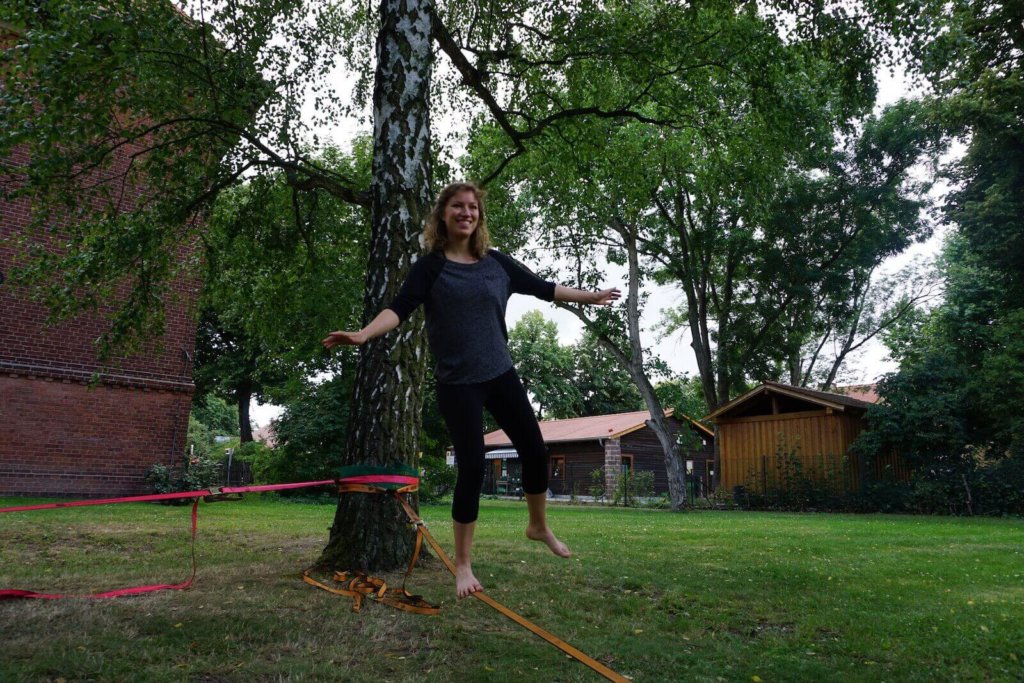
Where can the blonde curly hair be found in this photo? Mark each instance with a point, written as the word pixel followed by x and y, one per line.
pixel 435 232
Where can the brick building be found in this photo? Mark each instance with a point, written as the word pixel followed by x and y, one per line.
pixel 59 436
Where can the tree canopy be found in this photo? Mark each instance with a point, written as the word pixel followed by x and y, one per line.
pixel 954 406
pixel 725 147
pixel 280 267
pixel 575 380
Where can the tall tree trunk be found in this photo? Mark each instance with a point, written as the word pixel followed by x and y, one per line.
pixel 243 396
pixel 633 362
pixel 370 531
pixel 674 470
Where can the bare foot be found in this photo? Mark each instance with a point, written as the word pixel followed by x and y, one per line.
pixel 465 582
pixel 545 535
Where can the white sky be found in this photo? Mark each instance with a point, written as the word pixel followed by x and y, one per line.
pixel 675 350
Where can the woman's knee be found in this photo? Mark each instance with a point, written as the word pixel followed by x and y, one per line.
pixel 535 472
pixel 466 500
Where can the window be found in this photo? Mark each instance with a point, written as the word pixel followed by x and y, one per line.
pixel 627 463
pixel 689 467
pixel 557 467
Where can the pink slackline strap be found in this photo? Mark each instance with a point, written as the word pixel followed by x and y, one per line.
pixel 8 594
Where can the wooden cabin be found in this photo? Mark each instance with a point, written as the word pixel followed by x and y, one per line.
pixel 777 432
pixel 618 442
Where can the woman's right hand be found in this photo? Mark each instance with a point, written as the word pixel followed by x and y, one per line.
pixel 385 321
pixel 340 338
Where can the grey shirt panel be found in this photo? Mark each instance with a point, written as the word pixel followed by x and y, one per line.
pixel 465 311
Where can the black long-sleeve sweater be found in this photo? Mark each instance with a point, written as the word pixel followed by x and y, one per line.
pixel 464 305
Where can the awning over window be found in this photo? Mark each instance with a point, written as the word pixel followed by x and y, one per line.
pixel 501 454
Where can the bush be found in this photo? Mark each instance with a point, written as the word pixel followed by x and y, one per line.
pixel 598 487
pixel 632 487
pixel 985 488
pixel 437 479
pixel 311 435
pixel 262 460
pixel 199 469
pixel 999 488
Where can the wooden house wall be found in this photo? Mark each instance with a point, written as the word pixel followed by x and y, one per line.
pixel 581 458
pixel 750 447
pixel 645 448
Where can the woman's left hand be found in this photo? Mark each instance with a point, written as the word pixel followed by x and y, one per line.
pixel 606 297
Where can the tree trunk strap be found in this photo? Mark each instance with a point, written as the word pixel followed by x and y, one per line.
pixel 358 585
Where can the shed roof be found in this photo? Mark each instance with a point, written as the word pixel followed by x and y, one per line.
pixel 838 402
pixel 864 392
pixel 585 428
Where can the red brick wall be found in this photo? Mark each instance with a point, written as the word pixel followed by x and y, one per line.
pixel 60 437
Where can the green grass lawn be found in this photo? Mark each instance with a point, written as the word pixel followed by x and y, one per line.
pixel 705 596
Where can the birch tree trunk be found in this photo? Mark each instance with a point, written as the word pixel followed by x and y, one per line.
pixel 370 531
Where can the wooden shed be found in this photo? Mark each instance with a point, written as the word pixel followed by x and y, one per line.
pixel 778 432
pixel 618 442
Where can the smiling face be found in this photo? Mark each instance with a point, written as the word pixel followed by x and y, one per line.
pixel 462 215
pixel 458 219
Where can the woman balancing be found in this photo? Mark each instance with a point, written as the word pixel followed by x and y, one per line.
pixel 464 286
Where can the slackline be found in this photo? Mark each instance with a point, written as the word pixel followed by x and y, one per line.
pixel 356 479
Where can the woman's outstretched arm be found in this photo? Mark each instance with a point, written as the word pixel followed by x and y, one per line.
pixel 605 297
pixel 385 321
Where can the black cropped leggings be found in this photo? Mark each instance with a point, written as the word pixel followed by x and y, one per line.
pixel 462 406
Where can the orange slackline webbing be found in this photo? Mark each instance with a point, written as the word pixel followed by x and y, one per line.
pixel 565 647
pixel 357 585
pixel 360 586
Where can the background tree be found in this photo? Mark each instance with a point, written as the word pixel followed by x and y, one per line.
pixel 311 432
pixel 604 386
pixel 721 135
pixel 280 266
pixel 761 275
pixel 209 103
pixel 575 380
pixel 219 416
pixel 685 396
pixel 953 408
pixel 873 309
pixel 546 367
